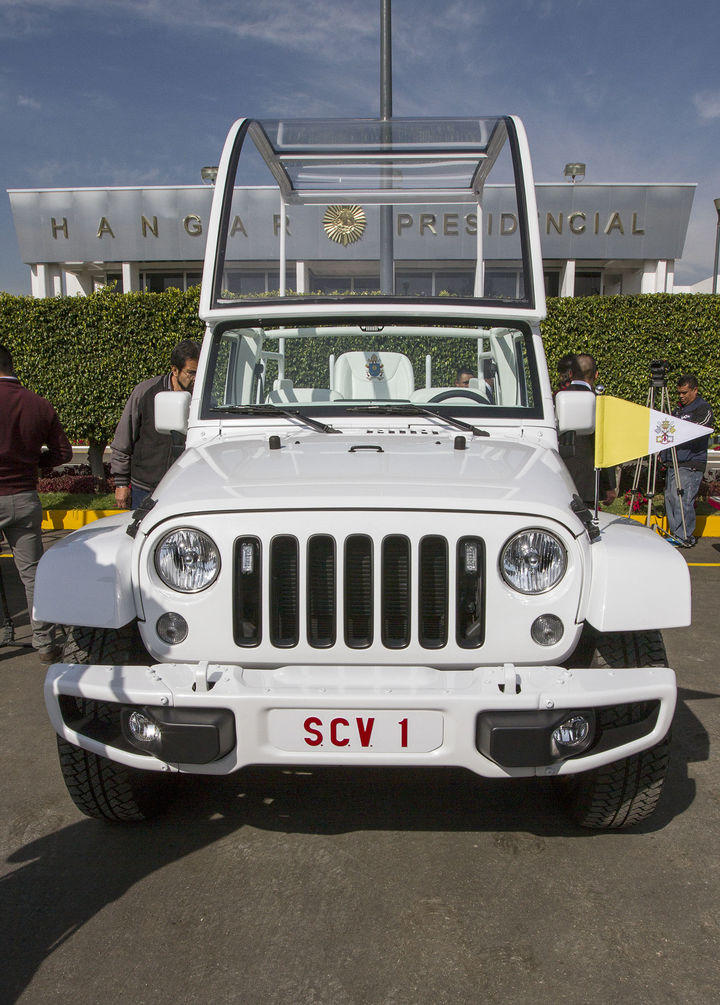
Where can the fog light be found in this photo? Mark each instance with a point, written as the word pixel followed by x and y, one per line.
pixel 547 630
pixel 574 734
pixel 172 628
pixel 143 729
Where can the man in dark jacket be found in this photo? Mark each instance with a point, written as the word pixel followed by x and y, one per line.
pixel 140 455
pixel 692 461
pixel 27 424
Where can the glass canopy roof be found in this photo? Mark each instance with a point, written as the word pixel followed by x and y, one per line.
pixel 370 211
pixel 377 160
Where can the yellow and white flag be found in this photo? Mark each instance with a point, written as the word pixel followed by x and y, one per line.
pixel 625 431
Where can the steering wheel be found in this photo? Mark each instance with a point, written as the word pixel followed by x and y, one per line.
pixel 459 392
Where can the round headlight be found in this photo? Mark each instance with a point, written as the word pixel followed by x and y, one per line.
pixel 187 560
pixel 533 561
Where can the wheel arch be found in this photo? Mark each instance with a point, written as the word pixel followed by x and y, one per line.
pixel 638 582
pixel 86 577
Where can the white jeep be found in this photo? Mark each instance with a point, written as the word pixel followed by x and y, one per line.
pixel 356 561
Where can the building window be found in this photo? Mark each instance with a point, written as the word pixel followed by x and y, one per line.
pixel 457 283
pixel 501 284
pixel 588 284
pixel 552 284
pixel 114 277
pixel 414 284
pixel 247 284
pixel 343 284
pixel 158 282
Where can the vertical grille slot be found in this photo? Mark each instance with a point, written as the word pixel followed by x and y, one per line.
pixel 395 602
pixel 358 592
pixel 470 595
pixel 247 590
pixel 284 617
pixel 321 575
pixel 433 598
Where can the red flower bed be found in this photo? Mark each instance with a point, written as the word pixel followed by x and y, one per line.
pixel 75 479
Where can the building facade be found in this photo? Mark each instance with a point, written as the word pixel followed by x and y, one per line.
pixel 597 239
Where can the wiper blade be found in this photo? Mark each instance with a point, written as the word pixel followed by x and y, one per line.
pixel 410 408
pixel 322 427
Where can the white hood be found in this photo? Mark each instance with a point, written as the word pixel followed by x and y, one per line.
pixel 384 471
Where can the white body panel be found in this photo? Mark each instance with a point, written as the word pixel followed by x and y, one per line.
pixel 637 580
pixel 86 578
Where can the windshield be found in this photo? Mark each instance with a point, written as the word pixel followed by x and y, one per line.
pixel 478 370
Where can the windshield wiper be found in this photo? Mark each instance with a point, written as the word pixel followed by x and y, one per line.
pixel 322 427
pixel 412 409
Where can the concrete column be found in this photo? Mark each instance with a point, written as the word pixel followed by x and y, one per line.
pixel 56 282
pixel 567 279
pixel 661 276
pixel 130 277
pixel 78 283
pixel 301 277
pixel 648 283
pixel 39 281
pixel 670 275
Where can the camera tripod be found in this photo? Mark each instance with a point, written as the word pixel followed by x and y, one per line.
pixel 658 381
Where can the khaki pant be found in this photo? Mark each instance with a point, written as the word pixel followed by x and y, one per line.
pixel 20 522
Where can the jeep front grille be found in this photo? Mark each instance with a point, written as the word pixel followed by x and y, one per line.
pixel 412 597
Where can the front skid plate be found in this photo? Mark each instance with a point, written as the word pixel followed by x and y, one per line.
pixel 254 695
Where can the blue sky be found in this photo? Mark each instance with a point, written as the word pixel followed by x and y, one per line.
pixel 132 92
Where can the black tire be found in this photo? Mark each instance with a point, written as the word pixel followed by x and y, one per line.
pixel 107 790
pixel 98 786
pixel 626 792
pixel 104 645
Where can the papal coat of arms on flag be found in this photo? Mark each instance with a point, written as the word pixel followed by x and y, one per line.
pixel 375 369
pixel 665 432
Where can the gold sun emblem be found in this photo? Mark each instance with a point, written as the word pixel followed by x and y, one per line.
pixel 344 224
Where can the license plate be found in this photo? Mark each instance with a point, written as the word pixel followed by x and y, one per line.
pixel 374 731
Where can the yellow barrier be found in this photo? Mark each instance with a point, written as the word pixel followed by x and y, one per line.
pixel 71 519
pixel 705 526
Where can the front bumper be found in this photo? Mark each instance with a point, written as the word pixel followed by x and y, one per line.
pixel 454 701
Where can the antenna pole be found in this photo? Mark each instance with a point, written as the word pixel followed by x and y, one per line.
pixel 387 284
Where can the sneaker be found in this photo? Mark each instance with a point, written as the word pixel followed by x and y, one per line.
pixel 676 542
pixel 7 634
pixel 690 543
pixel 48 654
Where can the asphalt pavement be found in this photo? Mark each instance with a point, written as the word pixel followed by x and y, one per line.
pixel 384 887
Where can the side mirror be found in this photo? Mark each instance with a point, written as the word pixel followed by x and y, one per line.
pixel 575 411
pixel 172 409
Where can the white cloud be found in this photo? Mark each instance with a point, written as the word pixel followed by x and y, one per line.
pixel 26 102
pixel 332 30
pixel 707 104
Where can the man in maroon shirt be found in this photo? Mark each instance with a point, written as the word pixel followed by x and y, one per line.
pixel 27 424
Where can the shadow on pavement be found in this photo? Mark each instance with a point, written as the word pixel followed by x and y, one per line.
pixel 64 879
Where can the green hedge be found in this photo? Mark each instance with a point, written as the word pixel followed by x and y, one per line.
pixel 625 333
pixel 85 354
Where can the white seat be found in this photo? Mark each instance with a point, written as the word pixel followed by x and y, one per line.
pixel 385 376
